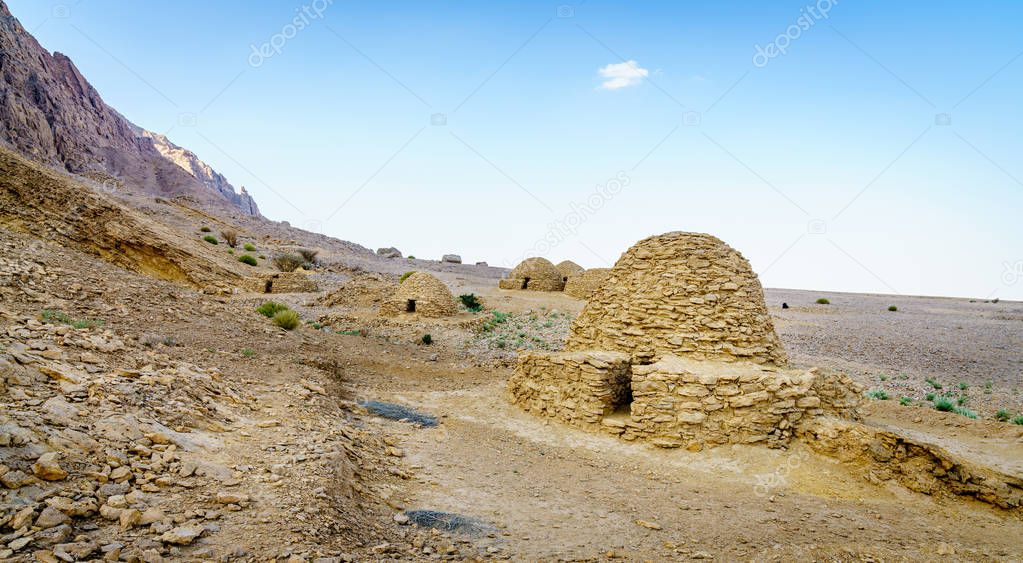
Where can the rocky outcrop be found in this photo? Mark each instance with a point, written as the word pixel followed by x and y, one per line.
pixel 50 113
pixel 206 175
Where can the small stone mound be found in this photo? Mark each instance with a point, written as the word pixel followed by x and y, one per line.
pixel 534 274
pixel 401 413
pixel 583 285
pixel 447 522
pixel 389 252
pixel 421 294
pixel 686 294
pixel 365 290
pixel 569 269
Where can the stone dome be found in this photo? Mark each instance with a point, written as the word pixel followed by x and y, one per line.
pixel 687 294
pixel 569 269
pixel 583 285
pixel 535 274
pixel 420 294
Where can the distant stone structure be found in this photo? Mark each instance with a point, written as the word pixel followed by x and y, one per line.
pixel 282 282
pixel 675 347
pixel 420 294
pixel 583 285
pixel 534 274
pixel 687 294
pixel 569 269
pixel 451 259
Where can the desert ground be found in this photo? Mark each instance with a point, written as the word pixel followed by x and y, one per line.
pixel 190 427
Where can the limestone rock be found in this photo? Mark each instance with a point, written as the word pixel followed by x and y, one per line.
pixel 451 259
pixel 389 252
pixel 48 467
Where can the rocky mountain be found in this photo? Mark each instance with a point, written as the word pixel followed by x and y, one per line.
pixel 50 113
pixel 202 172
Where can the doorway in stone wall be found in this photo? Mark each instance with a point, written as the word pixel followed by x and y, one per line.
pixel 410 306
pixel 525 283
pixel 621 397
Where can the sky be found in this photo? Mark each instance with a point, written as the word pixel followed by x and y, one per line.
pixel 845 146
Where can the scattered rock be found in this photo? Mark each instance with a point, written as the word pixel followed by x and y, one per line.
pixel 182 535
pixel 451 259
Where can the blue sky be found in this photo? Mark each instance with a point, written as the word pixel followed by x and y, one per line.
pixel 829 167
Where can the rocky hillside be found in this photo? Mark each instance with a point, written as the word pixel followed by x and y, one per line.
pixel 50 113
pixel 202 172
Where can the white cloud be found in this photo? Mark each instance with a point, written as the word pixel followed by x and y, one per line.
pixel 622 75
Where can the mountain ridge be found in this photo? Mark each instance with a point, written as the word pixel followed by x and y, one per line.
pixel 50 113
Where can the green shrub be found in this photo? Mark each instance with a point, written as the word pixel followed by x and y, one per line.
pixel 963 386
pixel 288 262
pixel 206 229
pixel 965 412
pixel 470 302
pixel 930 397
pixel 1002 415
pixel 350 332
pixel 271 308
pixel 249 247
pixel 248 352
pixel 230 251
pixel 247 259
pixel 906 401
pixel 426 339
pixel 879 394
pixel 961 400
pixel 500 317
pixel 893 308
pixel 933 382
pixel 1018 420
pixel 883 377
pixel 823 301
pixel 57 317
pixel 211 239
pixel 411 257
pixel 287 319
pixel 405 276
pixel 944 404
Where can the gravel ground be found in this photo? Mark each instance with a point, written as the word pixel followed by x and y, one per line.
pixel 950 341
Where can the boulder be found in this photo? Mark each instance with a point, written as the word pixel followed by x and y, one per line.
pixel 451 259
pixel 389 252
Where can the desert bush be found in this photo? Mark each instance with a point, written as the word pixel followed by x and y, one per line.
pixel 883 377
pixel 271 308
pixel 248 352
pixel 893 308
pixel 288 262
pixel 247 259
pixel 411 257
pixel 1018 421
pixel 823 301
pixel 58 317
pixel 1002 415
pixel 906 401
pixel 249 247
pixel 308 255
pixel 211 239
pixel 930 397
pixel 965 412
pixel 426 339
pixel 470 302
pixel 879 394
pixel 944 404
pixel 230 237
pixel 933 382
pixel 286 319
pixel 405 277
pixel 205 230
pixel 963 386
